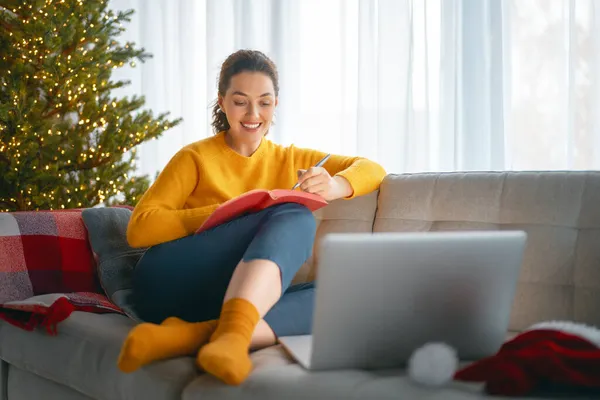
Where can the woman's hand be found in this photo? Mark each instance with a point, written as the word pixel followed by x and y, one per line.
pixel 318 181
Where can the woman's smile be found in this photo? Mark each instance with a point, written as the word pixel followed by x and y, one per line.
pixel 251 127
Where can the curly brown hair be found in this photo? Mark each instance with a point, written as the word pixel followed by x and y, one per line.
pixel 241 61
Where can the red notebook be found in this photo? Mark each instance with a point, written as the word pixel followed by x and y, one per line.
pixel 259 199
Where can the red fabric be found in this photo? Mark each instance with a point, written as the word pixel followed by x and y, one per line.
pixel 259 199
pixel 44 316
pixel 535 358
pixel 47 252
pixel 48 311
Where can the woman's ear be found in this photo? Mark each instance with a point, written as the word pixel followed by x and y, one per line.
pixel 276 101
pixel 220 103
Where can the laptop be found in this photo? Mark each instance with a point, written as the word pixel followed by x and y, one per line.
pixel 381 296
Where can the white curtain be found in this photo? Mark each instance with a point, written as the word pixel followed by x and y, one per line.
pixel 417 85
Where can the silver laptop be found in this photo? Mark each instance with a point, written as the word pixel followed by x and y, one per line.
pixel 381 296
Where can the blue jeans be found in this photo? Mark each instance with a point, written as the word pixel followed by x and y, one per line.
pixel 188 277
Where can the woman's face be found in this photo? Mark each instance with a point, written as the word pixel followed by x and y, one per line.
pixel 249 104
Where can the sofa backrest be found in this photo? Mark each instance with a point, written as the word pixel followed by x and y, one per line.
pixel 560 211
pixel 355 215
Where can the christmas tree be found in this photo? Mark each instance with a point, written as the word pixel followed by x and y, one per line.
pixel 65 141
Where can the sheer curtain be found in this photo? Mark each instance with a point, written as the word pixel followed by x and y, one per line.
pixel 418 85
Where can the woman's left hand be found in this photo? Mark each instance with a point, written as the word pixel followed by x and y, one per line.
pixel 318 181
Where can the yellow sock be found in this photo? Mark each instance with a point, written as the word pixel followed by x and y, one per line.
pixel 173 338
pixel 226 356
pixel 173 321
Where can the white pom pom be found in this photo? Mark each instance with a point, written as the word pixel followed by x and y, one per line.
pixel 433 364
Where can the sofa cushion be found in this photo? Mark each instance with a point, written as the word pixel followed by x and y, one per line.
pixel 24 385
pixel 84 355
pixel 276 377
pixel 107 228
pixel 44 252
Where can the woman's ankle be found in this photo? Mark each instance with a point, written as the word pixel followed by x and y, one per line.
pixel 263 336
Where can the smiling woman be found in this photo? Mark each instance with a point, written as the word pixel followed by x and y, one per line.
pixel 248 94
pixel 231 283
pixel 249 112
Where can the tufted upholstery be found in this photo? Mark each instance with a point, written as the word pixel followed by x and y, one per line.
pixel 354 215
pixel 560 211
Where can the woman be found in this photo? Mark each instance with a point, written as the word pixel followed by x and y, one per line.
pixel 227 290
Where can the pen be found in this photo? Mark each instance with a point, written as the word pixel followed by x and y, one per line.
pixel 317 165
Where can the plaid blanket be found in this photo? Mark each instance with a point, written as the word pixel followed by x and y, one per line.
pixel 47 269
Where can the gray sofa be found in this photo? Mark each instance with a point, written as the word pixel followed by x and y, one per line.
pixel 560 279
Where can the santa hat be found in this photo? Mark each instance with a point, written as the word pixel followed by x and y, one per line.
pixel 555 352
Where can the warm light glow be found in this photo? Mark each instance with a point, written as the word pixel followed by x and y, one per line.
pixel 42 135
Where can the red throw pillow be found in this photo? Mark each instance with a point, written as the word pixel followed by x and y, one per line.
pixel 45 252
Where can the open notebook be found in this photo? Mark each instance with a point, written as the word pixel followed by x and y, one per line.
pixel 259 199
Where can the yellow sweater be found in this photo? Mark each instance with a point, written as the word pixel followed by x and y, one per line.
pixel 204 174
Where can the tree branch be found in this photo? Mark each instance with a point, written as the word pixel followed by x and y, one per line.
pixel 73 47
pixel 4 159
pixel 56 110
pixel 7 204
pixel 20 201
pixel 84 166
pixel 39 154
pixel 7 8
pixel 6 26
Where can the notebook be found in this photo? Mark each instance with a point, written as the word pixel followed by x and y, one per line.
pixel 257 200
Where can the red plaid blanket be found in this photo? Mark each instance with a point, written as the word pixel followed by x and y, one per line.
pixel 47 269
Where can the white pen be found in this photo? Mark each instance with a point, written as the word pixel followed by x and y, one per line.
pixel 317 165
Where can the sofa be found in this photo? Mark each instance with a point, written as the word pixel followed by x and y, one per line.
pixel 560 279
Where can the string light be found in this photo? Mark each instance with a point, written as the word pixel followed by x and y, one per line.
pixel 67 89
